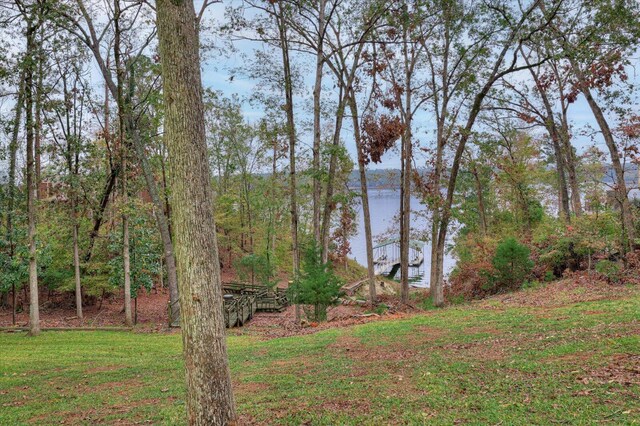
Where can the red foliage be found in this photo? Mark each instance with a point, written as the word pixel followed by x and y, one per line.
pixel 600 74
pixel 631 127
pixel 379 135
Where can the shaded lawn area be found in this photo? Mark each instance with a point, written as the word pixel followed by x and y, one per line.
pixel 475 364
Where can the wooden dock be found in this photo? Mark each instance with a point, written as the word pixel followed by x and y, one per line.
pixel 387 256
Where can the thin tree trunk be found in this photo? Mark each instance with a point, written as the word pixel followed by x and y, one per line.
pixel 161 219
pixel 621 187
pixel 364 194
pixel 38 126
pixel 464 134
pixel 99 216
pixel 570 160
pixel 122 114
pixel 34 310
pixel 76 258
pixel 405 215
pixel 481 209
pixel 11 184
pixel 126 257
pixel 344 93
pixel 209 393
pixel 291 132
pixel 405 187
pixel 163 227
pixel 317 89
pixel 552 128
pixel 111 179
pixel 329 205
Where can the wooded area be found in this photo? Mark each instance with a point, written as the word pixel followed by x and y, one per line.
pixel 156 150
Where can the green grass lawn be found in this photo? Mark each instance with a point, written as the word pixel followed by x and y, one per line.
pixel 475 364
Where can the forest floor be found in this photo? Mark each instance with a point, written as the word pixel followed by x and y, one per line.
pixel 565 353
pixel 151 311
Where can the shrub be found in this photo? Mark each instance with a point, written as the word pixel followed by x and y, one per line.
pixel 512 265
pixel 317 285
pixel 610 270
pixel 469 279
pixel 381 309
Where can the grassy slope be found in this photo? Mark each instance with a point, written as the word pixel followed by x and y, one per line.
pixel 486 363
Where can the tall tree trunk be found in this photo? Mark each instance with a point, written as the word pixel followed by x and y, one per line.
pixel 552 129
pixel 563 192
pixel 114 170
pixel 209 393
pixel 329 205
pixel 481 209
pixel 405 187
pixel 76 259
pixel 34 310
pixel 291 132
pixel 11 184
pixel 126 255
pixel 317 91
pixel 364 194
pixel 122 114
pixel 570 159
pixel 38 125
pixel 621 187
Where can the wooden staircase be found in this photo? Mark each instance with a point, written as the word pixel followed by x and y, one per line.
pixel 242 300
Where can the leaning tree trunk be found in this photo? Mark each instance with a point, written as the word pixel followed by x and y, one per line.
pixel 163 227
pixel 329 204
pixel 621 187
pixel 364 194
pixel 161 219
pixel 34 310
pixel 554 133
pixel 209 393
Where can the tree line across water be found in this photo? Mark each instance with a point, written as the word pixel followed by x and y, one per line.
pixel 122 171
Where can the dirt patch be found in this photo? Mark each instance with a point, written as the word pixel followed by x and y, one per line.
pixel 486 350
pixel 270 325
pixel 104 369
pixel 151 312
pixel 623 369
pixel 579 288
pixel 425 333
pixel 580 358
pixel 251 387
pixel 354 349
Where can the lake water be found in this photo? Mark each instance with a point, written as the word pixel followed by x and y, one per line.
pixel 384 205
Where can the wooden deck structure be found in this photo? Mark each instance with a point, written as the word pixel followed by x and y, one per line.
pixel 242 300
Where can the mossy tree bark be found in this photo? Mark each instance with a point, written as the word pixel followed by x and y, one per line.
pixel 34 309
pixel 209 393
